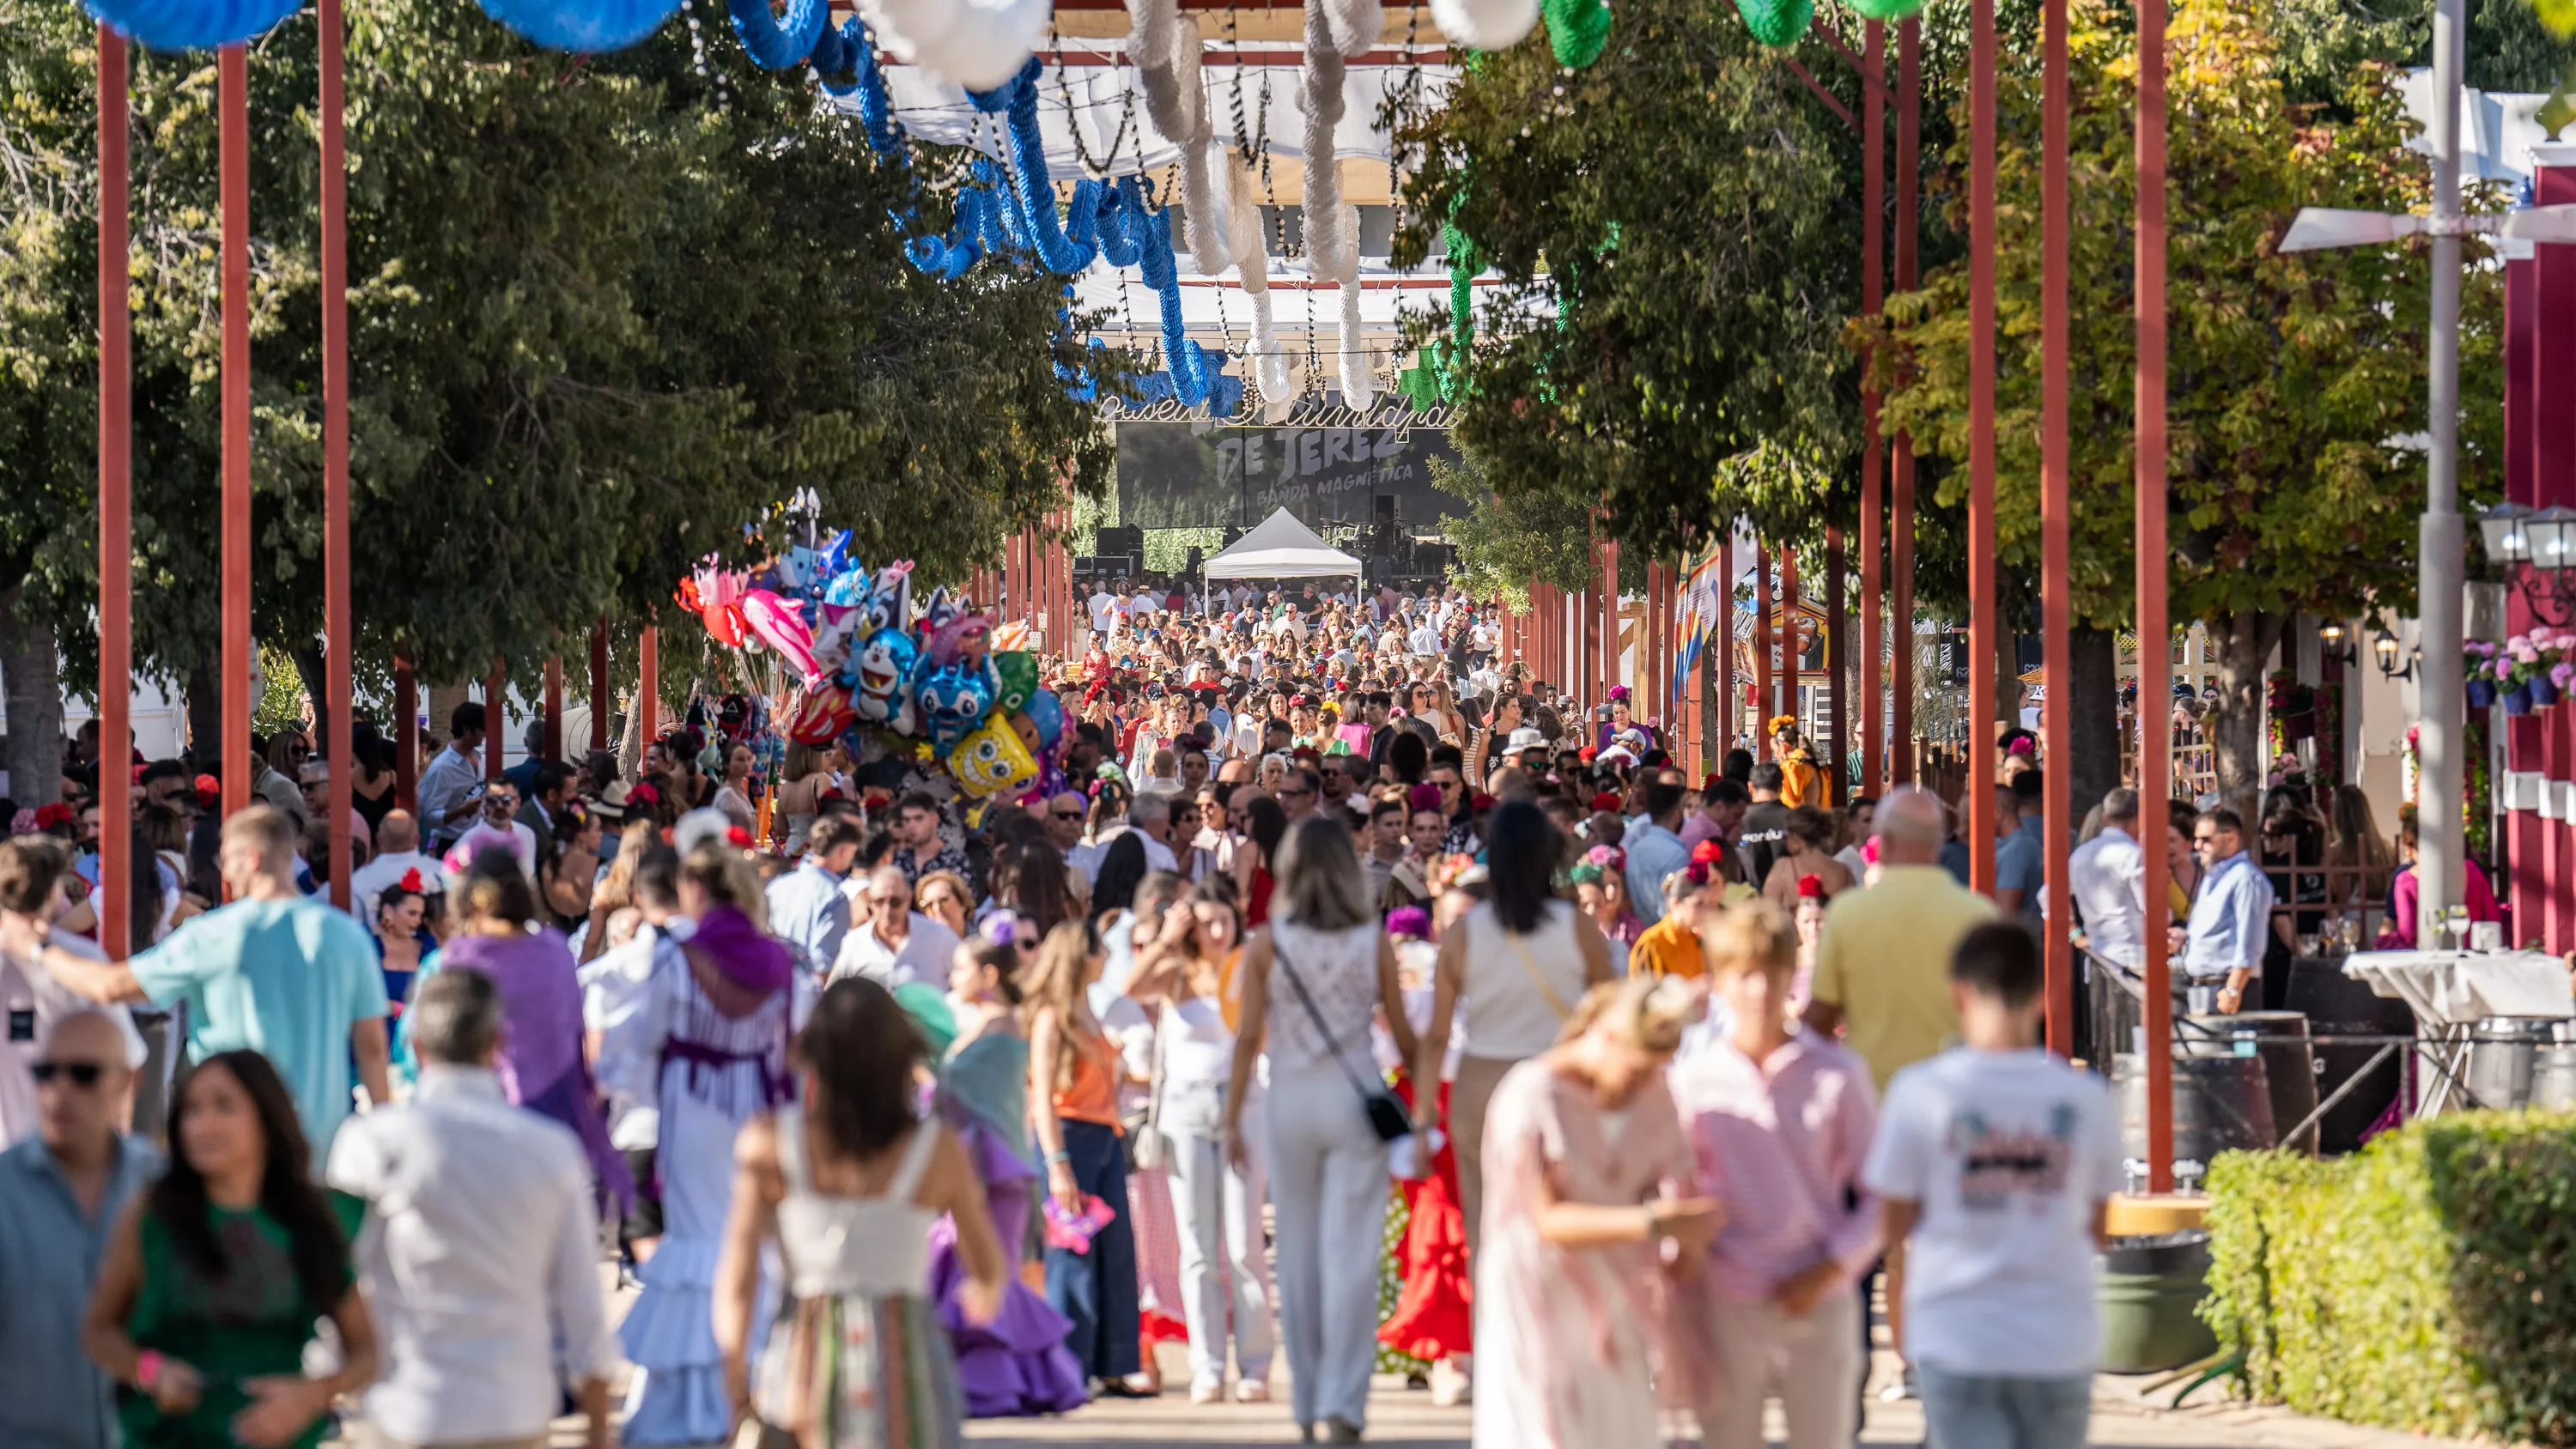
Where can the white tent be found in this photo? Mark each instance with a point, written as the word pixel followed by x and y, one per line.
pixel 1282 548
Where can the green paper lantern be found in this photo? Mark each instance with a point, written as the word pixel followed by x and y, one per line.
pixel 1777 22
pixel 1886 9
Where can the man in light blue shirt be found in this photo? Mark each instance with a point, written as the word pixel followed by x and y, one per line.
pixel 2021 846
pixel 2231 915
pixel 807 909
pixel 277 972
pixel 445 792
pixel 1655 850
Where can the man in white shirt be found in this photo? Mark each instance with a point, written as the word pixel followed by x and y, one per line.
pixel 615 986
pixel 2108 876
pixel 898 944
pixel 1425 639
pixel 480 1251
pixel 1150 815
pixel 1103 606
pixel 447 806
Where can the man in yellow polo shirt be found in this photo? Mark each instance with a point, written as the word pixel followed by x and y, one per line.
pixel 1883 965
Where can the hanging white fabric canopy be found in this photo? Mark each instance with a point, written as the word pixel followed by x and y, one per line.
pixel 1282 548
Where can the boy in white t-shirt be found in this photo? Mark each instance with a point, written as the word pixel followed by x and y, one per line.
pixel 1997 1160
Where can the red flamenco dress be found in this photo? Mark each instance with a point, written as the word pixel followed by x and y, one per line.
pixel 1434 1313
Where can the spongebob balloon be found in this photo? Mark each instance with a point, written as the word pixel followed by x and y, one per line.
pixel 991 758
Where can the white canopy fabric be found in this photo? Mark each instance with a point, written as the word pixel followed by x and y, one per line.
pixel 1282 548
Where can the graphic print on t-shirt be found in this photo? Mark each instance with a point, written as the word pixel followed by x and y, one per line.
pixel 1996 1166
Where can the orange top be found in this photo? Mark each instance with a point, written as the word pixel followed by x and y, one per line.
pixel 1093 1097
pixel 1669 947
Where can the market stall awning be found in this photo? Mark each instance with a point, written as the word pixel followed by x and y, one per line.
pixel 1282 548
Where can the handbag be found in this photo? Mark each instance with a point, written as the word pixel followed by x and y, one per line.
pixel 1148 1146
pixel 1386 1114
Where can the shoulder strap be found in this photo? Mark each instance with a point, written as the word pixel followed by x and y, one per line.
pixel 1520 948
pixel 791 1147
pixel 916 1161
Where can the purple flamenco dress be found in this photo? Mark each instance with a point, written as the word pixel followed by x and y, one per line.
pixel 1017 1364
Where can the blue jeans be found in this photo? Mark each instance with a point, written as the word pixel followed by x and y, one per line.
pixel 1097 1290
pixel 1968 1411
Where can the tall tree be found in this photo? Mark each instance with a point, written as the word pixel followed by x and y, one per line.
pixel 2295 378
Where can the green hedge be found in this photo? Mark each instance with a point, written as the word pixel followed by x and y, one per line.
pixel 2427 1283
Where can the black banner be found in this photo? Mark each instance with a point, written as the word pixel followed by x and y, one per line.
pixel 1212 475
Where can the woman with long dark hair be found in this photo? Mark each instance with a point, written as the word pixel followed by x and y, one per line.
pixel 1122 866
pixel 214 1277
pixel 848 1179
pixel 1522 959
pixel 1265 825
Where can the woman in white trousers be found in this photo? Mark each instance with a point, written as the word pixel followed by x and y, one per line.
pixel 1313 981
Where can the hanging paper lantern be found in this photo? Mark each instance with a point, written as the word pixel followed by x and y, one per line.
pixel 777 43
pixel 1484 24
pixel 1576 30
pixel 191 24
pixel 582 26
pixel 1777 22
pixel 1885 9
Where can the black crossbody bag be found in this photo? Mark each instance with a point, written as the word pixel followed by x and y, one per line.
pixel 1386 1114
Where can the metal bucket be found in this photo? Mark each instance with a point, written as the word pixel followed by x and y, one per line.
pixel 2150 1291
pixel 2220 1104
pixel 2280 1038
pixel 2553 1078
pixel 2504 1057
pixel 2336 1005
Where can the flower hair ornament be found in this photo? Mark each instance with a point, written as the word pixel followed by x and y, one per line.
pixel 2022 745
pixel 1608 857
pixel 23 823
pixel 1811 888
pixel 1619 694
pixel 49 816
pixel 1783 724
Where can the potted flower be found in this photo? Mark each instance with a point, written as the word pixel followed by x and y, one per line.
pixel 2552 650
pixel 2481 673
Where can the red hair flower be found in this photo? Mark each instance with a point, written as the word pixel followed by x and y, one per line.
pixel 1707 851
pixel 411 880
pixel 49 816
pixel 737 837
pixel 209 791
pixel 1606 800
pixel 1810 888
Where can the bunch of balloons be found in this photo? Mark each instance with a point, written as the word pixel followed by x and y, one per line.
pixel 940 683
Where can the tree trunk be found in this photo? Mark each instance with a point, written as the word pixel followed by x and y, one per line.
pixel 2092 751
pixel 2244 642
pixel 206 720
pixel 33 677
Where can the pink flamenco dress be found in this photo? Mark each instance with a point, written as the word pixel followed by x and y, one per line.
pixel 1018 1363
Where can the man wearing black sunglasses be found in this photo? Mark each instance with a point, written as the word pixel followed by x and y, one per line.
pixel 60 1189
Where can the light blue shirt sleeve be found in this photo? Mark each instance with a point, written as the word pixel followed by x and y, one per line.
pixel 184 961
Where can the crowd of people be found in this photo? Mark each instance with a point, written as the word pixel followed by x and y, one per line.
pixel 1361 1004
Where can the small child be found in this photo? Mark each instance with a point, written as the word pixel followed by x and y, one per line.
pixel 1780 1119
pixel 1997 1160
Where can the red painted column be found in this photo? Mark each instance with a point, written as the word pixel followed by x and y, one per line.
pixel 2057 716
pixel 2155 759
pixel 1900 502
pixel 648 686
pixel 1613 666
pixel 1837 702
pixel 1725 644
pixel 406 736
pixel 115 504
pixel 2550 436
pixel 340 638
pixel 496 707
pixel 554 707
pixel 1766 701
pixel 1873 504
pixel 232 105
pixel 1791 670
pixel 2534 839
pixel 1982 622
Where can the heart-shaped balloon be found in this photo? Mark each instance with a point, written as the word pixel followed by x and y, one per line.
pixel 990 758
pixel 779 625
pixel 816 716
pixel 880 677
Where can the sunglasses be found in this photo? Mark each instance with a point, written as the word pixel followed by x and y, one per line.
pixel 80 1074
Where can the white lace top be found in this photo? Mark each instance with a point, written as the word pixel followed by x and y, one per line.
pixel 1339 971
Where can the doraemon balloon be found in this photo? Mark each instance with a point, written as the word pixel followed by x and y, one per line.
pixel 880 675
pixel 990 758
pixel 954 698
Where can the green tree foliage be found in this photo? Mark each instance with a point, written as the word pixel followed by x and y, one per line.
pixel 1688 209
pixel 599 322
pixel 2290 374
pixel 1504 545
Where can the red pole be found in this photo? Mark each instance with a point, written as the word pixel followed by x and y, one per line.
pixel 2155 759
pixel 1769 700
pixel 338 629
pixel 1790 629
pixel 600 704
pixel 1725 645
pixel 1873 623
pixel 232 103
pixel 115 506
pixel 554 707
pixel 496 710
pixel 406 737
pixel 648 689
pixel 1982 640
pixel 1611 655
pixel 1838 716
pixel 1900 503
pixel 2055 565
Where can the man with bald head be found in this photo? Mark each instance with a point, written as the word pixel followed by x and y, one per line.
pixel 397 854
pixel 60 1191
pixel 898 944
pixel 1883 963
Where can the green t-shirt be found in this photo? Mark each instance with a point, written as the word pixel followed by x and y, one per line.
pixel 286 979
pixel 251 1324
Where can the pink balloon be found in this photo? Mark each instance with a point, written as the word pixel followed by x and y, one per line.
pixel 782 627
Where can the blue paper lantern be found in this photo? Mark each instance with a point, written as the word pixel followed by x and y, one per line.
pixel 582 26
pixel 191 24
pixel 776 44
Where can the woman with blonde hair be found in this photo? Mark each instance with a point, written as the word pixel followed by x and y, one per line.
pixel 943 896
pixel 1323 958
pixel 616 890
pixel 1581 1143
pixel 1073 1103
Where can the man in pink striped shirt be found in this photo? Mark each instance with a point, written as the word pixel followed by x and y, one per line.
pixel 1781 1120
